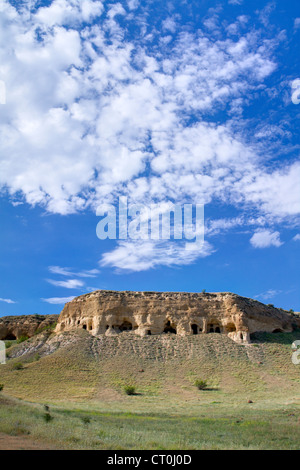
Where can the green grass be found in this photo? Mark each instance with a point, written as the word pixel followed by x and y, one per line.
pixel 82 385
pixel 86 429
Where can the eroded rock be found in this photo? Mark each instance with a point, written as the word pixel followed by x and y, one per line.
pixel 151 313
pixel 12 328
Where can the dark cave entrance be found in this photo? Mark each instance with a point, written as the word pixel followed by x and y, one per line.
pixel 10 337
pixel 214 328
pixel 169 329
pixel 194 329
pixel 126 326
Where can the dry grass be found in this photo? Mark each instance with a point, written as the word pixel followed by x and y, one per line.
pixel 83 382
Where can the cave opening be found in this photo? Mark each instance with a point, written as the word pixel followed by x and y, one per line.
pixel 10 337
pixel 169 329
pixel 126 326
pixel 214 328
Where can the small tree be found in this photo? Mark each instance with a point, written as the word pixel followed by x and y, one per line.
pixel 201 384
pixel 129 389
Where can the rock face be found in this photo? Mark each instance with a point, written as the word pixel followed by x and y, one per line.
pixel 152 313
pixel 12 328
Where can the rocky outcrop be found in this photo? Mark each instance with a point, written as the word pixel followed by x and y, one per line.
pixel 12 328
pixel 151 313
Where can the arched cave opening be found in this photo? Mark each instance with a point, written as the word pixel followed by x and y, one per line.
pixel 214 328
pixel 194 329
pixel 84 327
pixel 126 326
pixel 149 332
pixel 169 329
pixel 278 330
pixel 230 328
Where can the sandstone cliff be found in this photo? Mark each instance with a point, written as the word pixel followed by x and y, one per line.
pixel 151 313
pixel 12 328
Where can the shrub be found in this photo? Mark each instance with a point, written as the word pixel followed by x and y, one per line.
pixel 18 366
pixel 22 339
pixel 8 344
pixel 85 419
pixel 45 329
pixel 47 417
pixel 201 384
pixel 129 389
pixel 1 387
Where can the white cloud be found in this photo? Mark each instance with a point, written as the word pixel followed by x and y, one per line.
pixel 265 239
pixel 89 112
pixel 69 284
pixel 297 237
pixel 58 300
pixel 7 301
pixel 143 255
pixel 297 23
pixel 69 272
pixel 269 294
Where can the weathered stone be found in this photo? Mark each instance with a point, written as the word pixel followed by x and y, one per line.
pixel 152 313
pixel 12 328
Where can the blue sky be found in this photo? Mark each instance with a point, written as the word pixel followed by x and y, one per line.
pixel 161 102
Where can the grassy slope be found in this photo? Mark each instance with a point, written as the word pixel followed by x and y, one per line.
pixel 85 377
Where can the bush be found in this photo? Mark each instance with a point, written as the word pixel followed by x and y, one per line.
pixel 8 344
pixel 85 419
pixel 22 339
pixel 45 329
pixel 1 387
pixel 47 417
pixel 18 366
pixel 201 384
pixel 129 389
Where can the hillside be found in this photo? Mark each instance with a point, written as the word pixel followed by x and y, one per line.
pixel 78 375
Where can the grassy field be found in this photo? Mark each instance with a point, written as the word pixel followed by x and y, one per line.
pixel 82 380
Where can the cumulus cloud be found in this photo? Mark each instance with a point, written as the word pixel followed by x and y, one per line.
pixel 140 256
pixel 93 113
pixel 265 239
pixel 297 237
